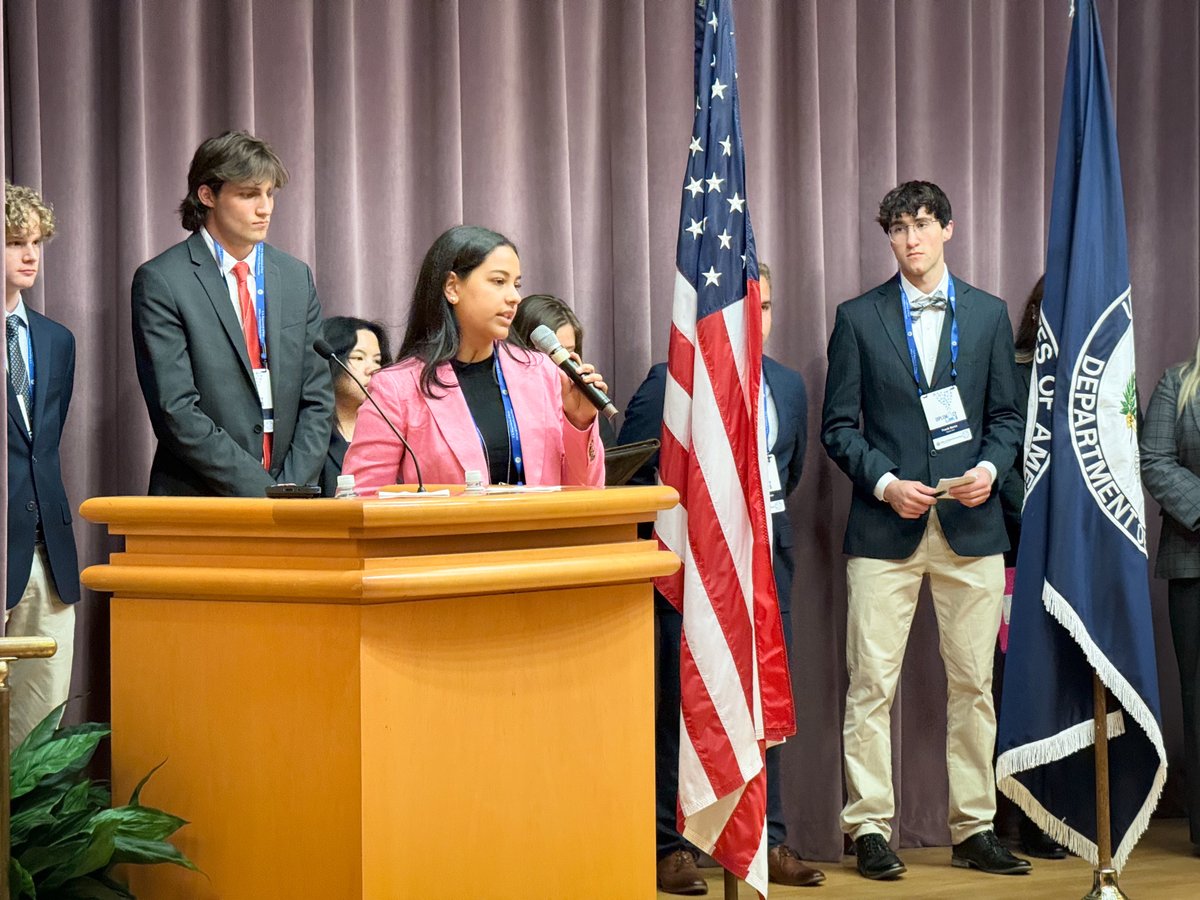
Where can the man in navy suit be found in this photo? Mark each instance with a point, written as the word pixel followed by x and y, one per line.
pixel 922 387
pixel 786 405
pixel 223 328
pixel 43 568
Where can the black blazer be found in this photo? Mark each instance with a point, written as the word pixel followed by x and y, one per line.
pixel 196 376
pixel 873 421
pixel 1170 448
pixel 643 420
pixel 35 482
pixel 334 457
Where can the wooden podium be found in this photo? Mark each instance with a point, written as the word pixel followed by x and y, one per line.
pixel 444 697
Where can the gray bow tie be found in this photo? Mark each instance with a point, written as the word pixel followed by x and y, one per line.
pixel 933 301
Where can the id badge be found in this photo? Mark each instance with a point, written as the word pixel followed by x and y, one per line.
pixel 266 399
pixel 946 417
pixel 777 501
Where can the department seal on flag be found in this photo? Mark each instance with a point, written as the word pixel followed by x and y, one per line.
pixel 1103 417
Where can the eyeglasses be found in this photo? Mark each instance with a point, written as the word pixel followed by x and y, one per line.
pixel 899 231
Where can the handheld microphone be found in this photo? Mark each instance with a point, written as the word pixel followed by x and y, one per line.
pixel 326 352
pixel 543 338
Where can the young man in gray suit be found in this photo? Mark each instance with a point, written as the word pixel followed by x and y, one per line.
pixel 223 327
pixel 921 388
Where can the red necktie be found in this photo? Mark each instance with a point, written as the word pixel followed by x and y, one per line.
pixel 250 333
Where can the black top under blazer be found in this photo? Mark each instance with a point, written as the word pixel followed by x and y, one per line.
pixel 873 421
pixel 199 389
pixel 1170 448
pixel 35 484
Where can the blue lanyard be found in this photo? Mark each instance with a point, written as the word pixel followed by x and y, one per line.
pixel 260 297
pixel 510 419
pixel 912 344
pixel 766 416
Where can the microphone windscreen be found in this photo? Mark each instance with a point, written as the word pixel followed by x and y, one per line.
pixel 322 347
pixel 544 339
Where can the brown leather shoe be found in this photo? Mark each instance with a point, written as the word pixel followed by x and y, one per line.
pixel 677 874
pixel 784 867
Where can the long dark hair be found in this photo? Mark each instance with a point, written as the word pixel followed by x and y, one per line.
pixel 1031 316
pixel 341 333
pixel 432 335
pixel 548 310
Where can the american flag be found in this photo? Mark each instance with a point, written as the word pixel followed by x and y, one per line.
pixel 736 691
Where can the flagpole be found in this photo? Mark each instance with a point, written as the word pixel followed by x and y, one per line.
pixel 731 885
pixel 1104 878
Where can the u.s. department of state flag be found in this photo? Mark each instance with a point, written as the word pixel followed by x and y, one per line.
pixel 734 684
pixel 1081 600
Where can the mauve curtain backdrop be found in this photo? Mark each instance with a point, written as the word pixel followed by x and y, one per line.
pixel 564 124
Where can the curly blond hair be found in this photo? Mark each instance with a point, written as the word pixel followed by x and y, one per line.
pixel 24 209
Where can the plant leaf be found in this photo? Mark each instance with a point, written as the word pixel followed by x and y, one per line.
pixel 59 755
pixel 95 856
pixel 143 822
pixel 20 882
pixel 135 797
pixel 41 733
pixel 93 887
pixel 137 850
pixel 30 816
pixel 54 856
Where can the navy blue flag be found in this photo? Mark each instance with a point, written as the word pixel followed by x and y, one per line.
pixel 1081 601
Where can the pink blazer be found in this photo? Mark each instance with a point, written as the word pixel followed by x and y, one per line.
pixel 442 432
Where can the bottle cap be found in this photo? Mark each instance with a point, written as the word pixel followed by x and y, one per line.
pixel 345 481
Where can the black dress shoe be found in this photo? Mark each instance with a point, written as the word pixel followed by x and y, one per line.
pixel 1037 844
pixel 983 851
pixel 876 859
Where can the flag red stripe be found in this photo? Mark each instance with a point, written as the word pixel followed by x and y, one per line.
pixel 681 359
pixel 708 736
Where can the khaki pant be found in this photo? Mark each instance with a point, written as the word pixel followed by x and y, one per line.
pixel 967 597
pixel 39 685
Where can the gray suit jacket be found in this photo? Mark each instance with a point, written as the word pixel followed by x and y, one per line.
pixel 1171 472
pixel 872 420
pixel 196 376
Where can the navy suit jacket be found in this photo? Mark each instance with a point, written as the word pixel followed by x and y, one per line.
pixel 35 484
pixel 873 421
pixel 643 420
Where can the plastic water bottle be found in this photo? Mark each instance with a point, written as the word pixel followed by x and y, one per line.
pixel 345 488
pixel 474 480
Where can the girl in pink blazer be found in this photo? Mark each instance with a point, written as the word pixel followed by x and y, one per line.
pixel 462 396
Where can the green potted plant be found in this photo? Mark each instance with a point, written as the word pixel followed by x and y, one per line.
pixel 66 836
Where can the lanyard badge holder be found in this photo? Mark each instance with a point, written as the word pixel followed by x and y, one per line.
pixel 260 369
pixel 944 411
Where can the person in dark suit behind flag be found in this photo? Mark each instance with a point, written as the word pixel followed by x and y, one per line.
pixel 43 567
pixel 1170 446
pixel 237 404
pixel 363 347
pixel 786 405
pixel 921 387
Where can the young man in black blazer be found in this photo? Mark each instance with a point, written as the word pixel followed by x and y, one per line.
pixel 921 387
pixel 43 568
pixel 223 327
pixel 786 406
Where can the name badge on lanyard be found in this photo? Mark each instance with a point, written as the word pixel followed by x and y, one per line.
pixel 777 501
pixel 262 373
pixel 944 411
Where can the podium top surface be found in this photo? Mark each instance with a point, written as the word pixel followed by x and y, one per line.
pixel 377 551
pixel 569 507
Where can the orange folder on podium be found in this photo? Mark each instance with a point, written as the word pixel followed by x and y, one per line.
pixel 443 697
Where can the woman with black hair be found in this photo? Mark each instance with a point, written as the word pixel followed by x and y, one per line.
pixel 463 396
pixel 363 346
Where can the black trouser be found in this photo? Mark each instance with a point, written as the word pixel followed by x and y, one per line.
pixel 1183 597
pixel 666 740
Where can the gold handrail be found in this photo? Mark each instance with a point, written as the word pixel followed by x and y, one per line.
pixel 11 649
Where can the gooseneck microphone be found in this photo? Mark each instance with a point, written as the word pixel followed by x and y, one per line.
pixel 544 339
pixel 326 352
